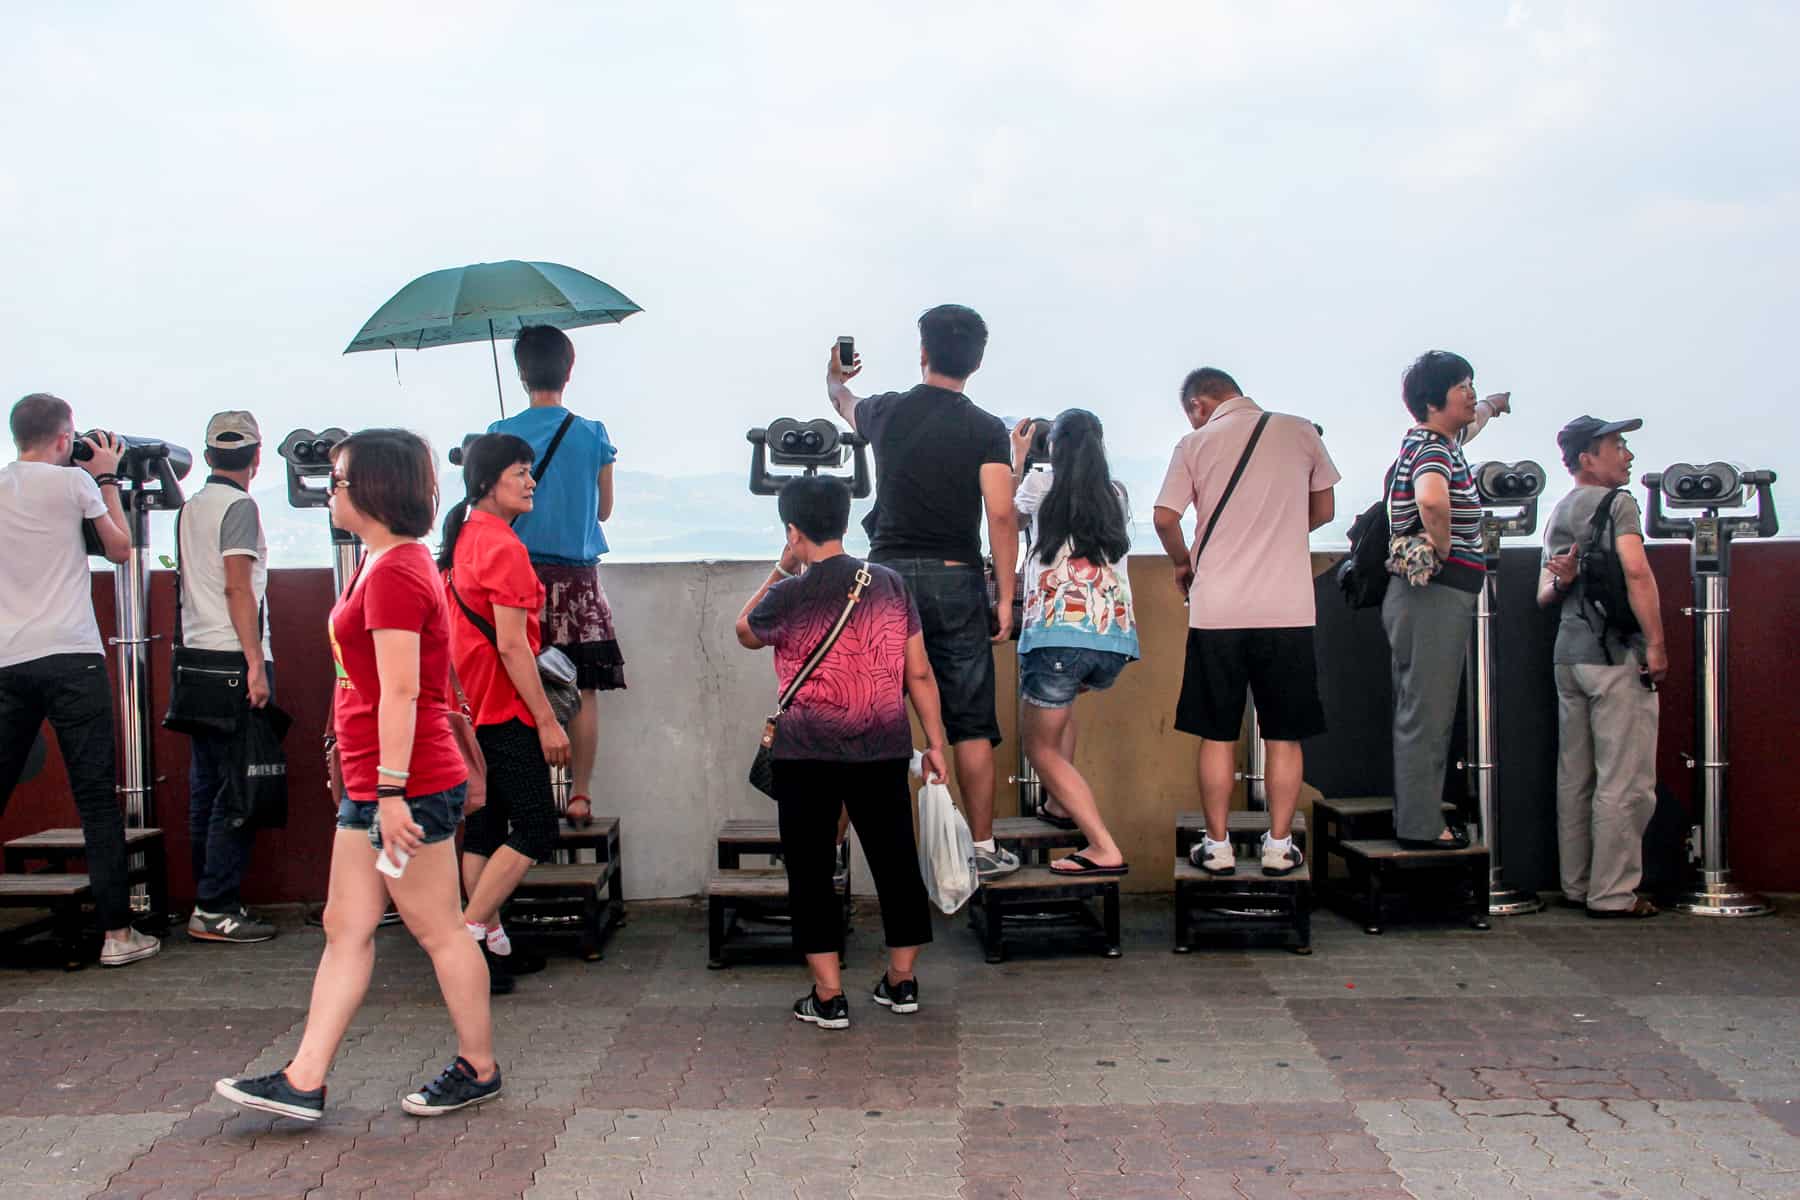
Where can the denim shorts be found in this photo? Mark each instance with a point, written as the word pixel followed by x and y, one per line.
pixel 1050 676
pixel 953 615
pixel 438 814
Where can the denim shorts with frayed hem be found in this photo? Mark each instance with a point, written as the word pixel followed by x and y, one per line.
pixel 1052 676
pixel 438 814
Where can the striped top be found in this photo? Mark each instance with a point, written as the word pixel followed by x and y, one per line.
pixel 1425 452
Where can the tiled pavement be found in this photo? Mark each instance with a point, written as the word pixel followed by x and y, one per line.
pixel 1550 1057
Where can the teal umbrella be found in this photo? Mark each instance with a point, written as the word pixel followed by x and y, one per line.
pixel 489 300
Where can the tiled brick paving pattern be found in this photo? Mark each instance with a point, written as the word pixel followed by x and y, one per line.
pixel 1551 1057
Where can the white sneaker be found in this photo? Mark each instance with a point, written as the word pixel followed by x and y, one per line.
pixel 1215 858
pixel 1280 858
pixel 116 952
pixel 992 864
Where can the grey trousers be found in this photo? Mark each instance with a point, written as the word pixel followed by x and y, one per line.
pixel 1428 631
pixel 1605 781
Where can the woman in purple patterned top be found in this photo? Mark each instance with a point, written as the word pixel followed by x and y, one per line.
pixel 845 741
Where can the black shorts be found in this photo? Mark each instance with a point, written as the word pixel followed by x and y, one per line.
pixel 953 615
pixel 1275 665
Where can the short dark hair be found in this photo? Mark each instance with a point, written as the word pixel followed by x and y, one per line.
pixel 1208 381
pixel 817 505
pixel 1427 383
pixel 955 338
pixel 392 479
pixel 235 458
pixel 39 418
pixel 545 356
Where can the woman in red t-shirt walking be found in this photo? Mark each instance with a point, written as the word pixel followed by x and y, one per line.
pixel 404 784
pixel 495 599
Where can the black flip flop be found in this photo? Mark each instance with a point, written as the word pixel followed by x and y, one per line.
pixel 1088 867
pixel 1042 812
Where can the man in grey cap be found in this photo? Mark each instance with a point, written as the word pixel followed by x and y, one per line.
pixel 224 586
pixel 1609 658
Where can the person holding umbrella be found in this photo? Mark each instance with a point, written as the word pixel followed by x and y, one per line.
pixel 563 534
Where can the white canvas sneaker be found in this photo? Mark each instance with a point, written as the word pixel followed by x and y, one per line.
pixel 1280 858
pixel 116 952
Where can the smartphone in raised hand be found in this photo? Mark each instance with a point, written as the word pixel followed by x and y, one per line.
pixel 846 352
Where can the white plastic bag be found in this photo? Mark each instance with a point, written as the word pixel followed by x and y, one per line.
pixel 946 849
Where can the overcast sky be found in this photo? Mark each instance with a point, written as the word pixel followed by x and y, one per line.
pixel 1594 203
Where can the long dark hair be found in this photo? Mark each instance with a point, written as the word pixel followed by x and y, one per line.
pixel 485 460
pixel 1083 507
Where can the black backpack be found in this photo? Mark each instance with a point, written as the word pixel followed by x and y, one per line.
pixel 1603 591
pixel 1363 575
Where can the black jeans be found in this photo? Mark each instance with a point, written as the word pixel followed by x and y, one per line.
pixel 221 853
pixel 810 794
pixel 73 691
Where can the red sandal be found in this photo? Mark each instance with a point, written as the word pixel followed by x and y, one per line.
pixel 582 819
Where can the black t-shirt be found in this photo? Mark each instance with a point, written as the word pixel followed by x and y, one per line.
pixel 930 444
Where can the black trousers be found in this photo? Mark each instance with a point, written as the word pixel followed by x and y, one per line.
pixel 810 794
pixel 521 809
pixel 74 693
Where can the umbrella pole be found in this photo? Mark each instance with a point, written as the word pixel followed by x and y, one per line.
pixel 498 394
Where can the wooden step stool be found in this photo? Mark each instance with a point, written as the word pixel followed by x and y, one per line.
pixel 563 899
pixel 1381 867
pixel 1246 903
pixel 1353 818
pixel 63 894
pixel 758 895
pixel 1035 901
pixel 57 849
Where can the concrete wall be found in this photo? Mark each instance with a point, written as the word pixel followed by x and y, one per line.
pixel 676 744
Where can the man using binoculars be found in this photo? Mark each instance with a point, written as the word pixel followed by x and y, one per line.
pixel 52 662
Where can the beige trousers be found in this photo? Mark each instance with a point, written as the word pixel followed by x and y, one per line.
pixel 1605 781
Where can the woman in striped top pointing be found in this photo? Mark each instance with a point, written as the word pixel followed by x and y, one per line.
pixel 1434 515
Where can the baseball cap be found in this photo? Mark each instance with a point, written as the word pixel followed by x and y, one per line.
pixel 232 431
pixel 1584 431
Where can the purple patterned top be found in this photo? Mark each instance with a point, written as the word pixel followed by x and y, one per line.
pixel 853 708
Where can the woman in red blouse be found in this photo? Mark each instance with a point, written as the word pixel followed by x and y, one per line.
pixel 404 784
pixel 495 599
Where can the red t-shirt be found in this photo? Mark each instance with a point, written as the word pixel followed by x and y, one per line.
pixel 491 567
pixel 399 590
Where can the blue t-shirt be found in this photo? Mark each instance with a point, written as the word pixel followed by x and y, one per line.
pixel 563 526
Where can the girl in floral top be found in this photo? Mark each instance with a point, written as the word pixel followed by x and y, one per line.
pixel 1079 631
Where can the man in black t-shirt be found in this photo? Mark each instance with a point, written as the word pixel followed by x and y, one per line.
pixel 939 463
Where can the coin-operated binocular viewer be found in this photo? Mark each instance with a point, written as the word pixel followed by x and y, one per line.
pixel 1709 489
pixel 1509 508
pixel 150 471
pixel 813 446
pixel 308 459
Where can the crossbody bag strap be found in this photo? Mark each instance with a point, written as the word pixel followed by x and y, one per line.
pixel 543 464
pixel 180 559
pixel 862 580
pixel 1231 486
pixel 479 622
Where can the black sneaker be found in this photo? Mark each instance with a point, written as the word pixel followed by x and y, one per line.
pixel 274 1094
pixel 456 1088
pixel 826 1014
pixel 500 974
pixel 524 962
pixel 902 997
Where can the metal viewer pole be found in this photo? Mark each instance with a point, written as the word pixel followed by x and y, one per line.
pixel 1503 900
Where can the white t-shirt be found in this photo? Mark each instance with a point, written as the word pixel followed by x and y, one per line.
pixel 220 521
pixel 46 591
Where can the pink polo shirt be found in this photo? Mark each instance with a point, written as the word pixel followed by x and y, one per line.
pixel 1257 573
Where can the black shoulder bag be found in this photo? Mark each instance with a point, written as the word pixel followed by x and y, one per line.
pixel 762 773
pixel 1363 575
pixel 1603 590
pixel 208 689
pixel 1230 487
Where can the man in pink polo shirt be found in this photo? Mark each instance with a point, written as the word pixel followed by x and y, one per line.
pixel 1259 483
